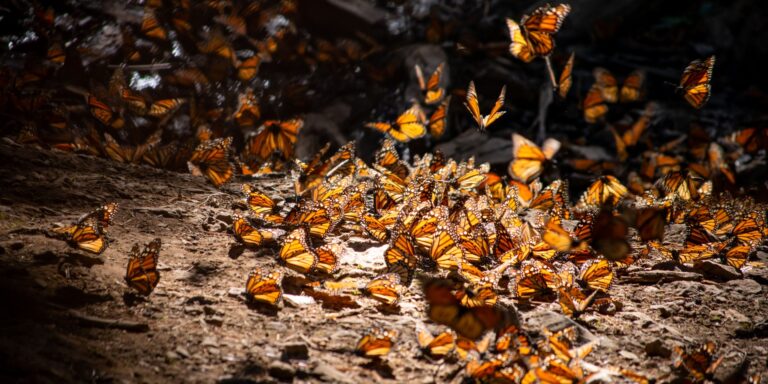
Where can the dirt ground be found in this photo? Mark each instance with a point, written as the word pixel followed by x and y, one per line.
pixel 69 316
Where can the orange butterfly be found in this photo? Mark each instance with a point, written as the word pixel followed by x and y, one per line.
pixel 211 158
pixel 385 288
pixel 104 114
pixel 151 27
pixel 700 364
pixel 274 136
pixel 529 160
pixel 438 121
pixel 433 93
pixel 435 346
pixel 163 107
pixel 594 105
pixel 142 274
pixel 378 342
pixel 248 68
pixel 566 79
pixel 695 81
pixel 126 154
pixel 265 286
pixel 534 36
pixel 474 107
pixel 408 126
pixel 248 234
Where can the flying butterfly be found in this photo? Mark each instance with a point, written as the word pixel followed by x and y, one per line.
pixel 407 127
pixel 695 81
pixel 376 343
pixel 528 160
pixel 130 154
pixel 594 105
pixel 433 93
pixel 141 273
pixel 534 36
pixel 438 121
pixel 566 78
pixel 274 136
pixel 264 286
pixel 248 68
pixel 609 237
pixel 473 106
pixel 211 158
pixel 605 190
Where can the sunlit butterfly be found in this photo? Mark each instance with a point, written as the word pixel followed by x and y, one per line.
pixel 141 273
pixel 534 36
pixel 385 288
pixel 433 93
pixel 435 346
pixel 274 136
pixel 211 158
pixel 473 106
pixel 407 127
pixel 377 342
pixel 528 160
pixel 695 81
pixel 699 364
pixel 594 105
pixel 438 121
pixel 249 235
pixel 566 78
pixel 264 286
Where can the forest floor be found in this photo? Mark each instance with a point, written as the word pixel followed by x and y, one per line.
pixel 69 317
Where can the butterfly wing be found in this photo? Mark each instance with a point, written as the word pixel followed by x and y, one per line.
pixel 695 81
pixel 566 79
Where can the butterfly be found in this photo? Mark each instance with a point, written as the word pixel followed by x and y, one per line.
pixel 528 160
pixel 446 309
pixel 388 158
pixel 701 363
pixel 318 219
pixel 261 204
pixel 594 105
pixel 327 259
pixel 573 302
pixel 104 114
pixel 296 252
pixel 408 126
pixel 444 250
pixel 151 27
pixel 683 185
pixel 609 236
pixel 439 119
pixel 535 278
pixel 435 346
pixel 400 257
pixel 566 79
pixel 88 233
pixel 631 90
pixel 374 227
pixel 264 286
pixel 557 237
pixel 630 136
pixel 750 139
pixel 385 288
pixel 163 107
pixel 534 36
pixel 473 106
pixel 211 158
pixel 596 274
pixel 433 93
pixel 695 81
pixel 248 68
pixel 141 273
pixel 650 223
pixel 247 234
pixel 605 190
pixel 377 342
pixel 274 136
pixel 310 175
pixel 130 154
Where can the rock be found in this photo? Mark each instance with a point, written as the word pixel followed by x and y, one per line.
pixel 281 370
pixel 759 330
pixel 629 355
pixel 183 352
pixel 209 341
pixel 745 286
pixel 298 300
pixel 216 320
pixel 225 217
pixel 657 348
pixel 758 274
pixel 717 271
pixel 295 351
pixel 327 372
pixel 660 276
pixel 236 292
pixel 171 356
pixel 193 311
pixel 664 310
pixel 17 246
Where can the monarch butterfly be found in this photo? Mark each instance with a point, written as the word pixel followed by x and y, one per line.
pixel 683 185
pixel 596 274
pixel 135 102
pixel 296 252
pixel 609 236
pixel 535 278
pixel 274 136
pixel 566 78
pixel 431 89
pixel 444 250
pixel 377 342
pixel 151 27
pixel 248 68
pixel 56 53
pixel 261 204
pixel 438 121
pixel 247 234
pixel 476 244
pixel 737 256
pixel 477 295
pixel 557 237
pixel 528 160
pixel 629 137
pixel 446 309
pixel 407 127
pixel 573 302
pixel 315 216
pixel 212 159
pixel 750 139
pixel 435 346
pixel 479 369
pixel 473 106
pixel 312 174
pixel 701 363
pixel 605 190
pixel 141 273
pixel 265 286
pixel 697 252
pixel 163 107
pixel 374 227
pixel 388 158
pixel 87 235
pixel 650 223
pixel 632 89
pixel 104 214
pixel 554 199
pixel 385 288
pixel 104 114
pixel 534 36
pixel 594 105
pixel 218 45
pixel 695 81
pixel 747 231
pixel 401 257
pixel 327 259
pixel 467 347
pixel 126 154
pixel 247 114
